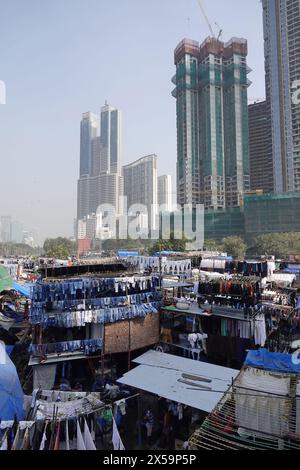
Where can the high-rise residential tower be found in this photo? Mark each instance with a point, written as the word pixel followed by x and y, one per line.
pixel 212 122
pixel 164 190
pixel 260 148
pixel 282 66
pixel 187 104
pixel 17 231
pixel 140 186
pixel 236 126
pixel 5 228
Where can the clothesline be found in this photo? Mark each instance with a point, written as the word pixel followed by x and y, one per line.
pixel 102 302
pixel 96 316
pixel 87 346
pixel 85 441
pixel 83 288
pixel 69 418
pixel 260 394
pixel 165 265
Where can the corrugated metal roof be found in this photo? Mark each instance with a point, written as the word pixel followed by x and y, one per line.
pixel 159 373
pixel 64 356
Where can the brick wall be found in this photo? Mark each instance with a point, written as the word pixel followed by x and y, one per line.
pixel 143 332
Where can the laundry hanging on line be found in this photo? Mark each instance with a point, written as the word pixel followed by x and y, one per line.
pixel 88 346
pixel 82 288
pixel 80 318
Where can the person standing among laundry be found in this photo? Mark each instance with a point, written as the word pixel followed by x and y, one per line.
pixel 167 429
pixel 149 423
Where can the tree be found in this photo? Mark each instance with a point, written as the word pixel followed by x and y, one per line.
pixel 60 248
pixel 18 249
pixel 278 244
pixel 128 244
pixel 213 245
pixel 234 246
pixel 171 244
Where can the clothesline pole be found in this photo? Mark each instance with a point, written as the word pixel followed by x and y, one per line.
pixel 103 351
pixel 129 335
pixel 129 343
pixel 139 423
pixel 160 266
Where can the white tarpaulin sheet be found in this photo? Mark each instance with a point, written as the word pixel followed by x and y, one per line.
pixel 165 375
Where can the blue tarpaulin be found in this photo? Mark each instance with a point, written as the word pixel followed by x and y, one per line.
pixel 126 254
pixel 9 349
pixel 279 362
pixel 292 270
pixel 11 394
pixel 23 289
pixel 298 303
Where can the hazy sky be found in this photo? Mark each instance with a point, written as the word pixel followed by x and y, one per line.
pixel 60 58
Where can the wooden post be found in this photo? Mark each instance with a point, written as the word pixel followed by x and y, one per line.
pixel 129 345
pixel 103 351
pixel 129 337
pixel 139 423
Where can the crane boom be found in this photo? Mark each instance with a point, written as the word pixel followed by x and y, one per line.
pixel 220 31
pixel 206 19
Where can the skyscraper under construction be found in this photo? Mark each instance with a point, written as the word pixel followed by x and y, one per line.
pixel 212 122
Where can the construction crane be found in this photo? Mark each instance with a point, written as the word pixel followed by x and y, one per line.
pixel 220 31
pixel 208 22
pixel 206 19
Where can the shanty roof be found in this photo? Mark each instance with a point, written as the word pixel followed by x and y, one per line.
pixel 193 383
pixel 23 289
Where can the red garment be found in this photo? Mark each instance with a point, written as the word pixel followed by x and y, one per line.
pixel 229 428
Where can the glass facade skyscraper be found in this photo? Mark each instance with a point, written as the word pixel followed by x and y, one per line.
pixel 111 137
pixel 282 66
pixel 164 192
pixel 100 180
pixel 261 169
pixel 88 131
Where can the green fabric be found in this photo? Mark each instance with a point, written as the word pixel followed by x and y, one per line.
pixel 107 415
pixel 6 281
pixel 224 328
